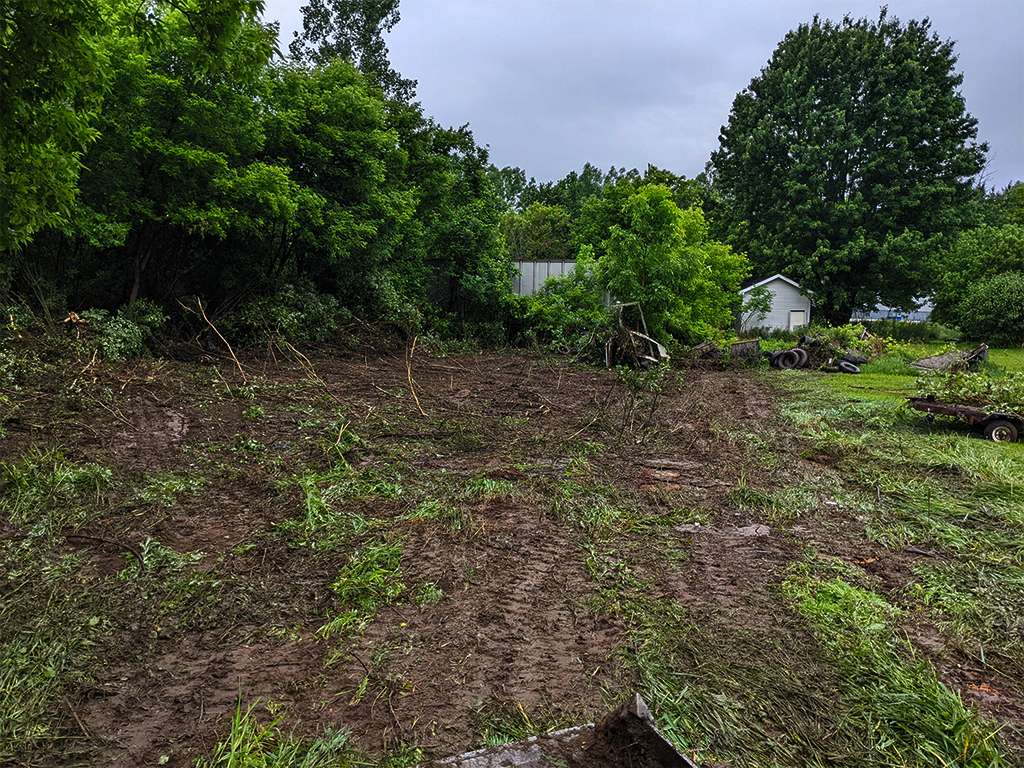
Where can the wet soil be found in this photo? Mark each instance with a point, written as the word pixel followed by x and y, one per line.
pixel 515 621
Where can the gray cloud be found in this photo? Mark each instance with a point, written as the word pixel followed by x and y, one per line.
pixel 551 85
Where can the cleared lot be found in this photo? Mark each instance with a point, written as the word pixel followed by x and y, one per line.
pixel 792 569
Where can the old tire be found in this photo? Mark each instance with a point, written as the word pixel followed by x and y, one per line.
pixel 804 357
pixel 1002 431
pixel 787 360
pixel 847 367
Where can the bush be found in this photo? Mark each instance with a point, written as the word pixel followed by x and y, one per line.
pixel 567 313
pixel 993 309
pixel 124 335
pixel 296 313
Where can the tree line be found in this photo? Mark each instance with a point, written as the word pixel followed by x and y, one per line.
pixel 168 149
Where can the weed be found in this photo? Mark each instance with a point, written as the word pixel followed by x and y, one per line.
pixel 371 579
pixel 254 413
pixel 245 444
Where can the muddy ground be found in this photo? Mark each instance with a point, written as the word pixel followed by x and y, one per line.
pixel 515 624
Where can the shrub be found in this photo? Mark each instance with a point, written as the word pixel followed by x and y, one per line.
pixel 993 309
pixel 296 313
pixel 567 312
pixel 124 335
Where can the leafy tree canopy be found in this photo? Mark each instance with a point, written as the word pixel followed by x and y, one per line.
pixel 848 159
pixel 353 30
pixel 539 233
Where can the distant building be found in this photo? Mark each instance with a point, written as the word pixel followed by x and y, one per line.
pixel 791 309
pixel 530 276
pixel 920 315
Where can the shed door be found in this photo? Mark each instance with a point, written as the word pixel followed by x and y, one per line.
pixel 797 318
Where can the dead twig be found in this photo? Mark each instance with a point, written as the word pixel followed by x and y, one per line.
pixel 408 374
pixel 202 313
pixel 81 725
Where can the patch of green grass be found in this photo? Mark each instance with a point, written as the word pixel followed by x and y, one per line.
pixel 49 493
pixel 164 489
pixel 371 579
pixel 49 639
pixel 328 517
pixel 487 488
pixel 503 722
pixel 451 515
pixel 591 507
pixel 428 593
pixel 1010 360
pixel 779 506
pixel 934 487
pixel 251 743
pixel 911 718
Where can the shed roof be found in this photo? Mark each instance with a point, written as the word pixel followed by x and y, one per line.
pixel 771 279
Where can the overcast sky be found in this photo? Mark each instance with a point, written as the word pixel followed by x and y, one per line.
pixel 551 84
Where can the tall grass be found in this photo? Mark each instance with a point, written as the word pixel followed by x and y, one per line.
pixel 912 719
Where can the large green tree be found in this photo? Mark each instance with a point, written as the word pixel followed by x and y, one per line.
pixel 57 60
pixel 52 72
pixel 848 159
pixel 352 30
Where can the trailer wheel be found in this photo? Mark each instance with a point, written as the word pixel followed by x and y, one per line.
pixel 1002 431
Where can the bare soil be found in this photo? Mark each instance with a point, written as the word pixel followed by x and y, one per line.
pixel 516 621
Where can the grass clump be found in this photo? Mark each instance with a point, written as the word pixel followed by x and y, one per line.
pixel 451 516
pixel 910 718
pixel 371 579
pixel 254 744
pixel 48 641
pixel 503 722
pixel 163 490
pixel 48 493
pixel 488 489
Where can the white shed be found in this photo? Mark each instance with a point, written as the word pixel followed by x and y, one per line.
pixel 790 310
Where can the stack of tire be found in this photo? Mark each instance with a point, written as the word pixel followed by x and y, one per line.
pixel 797 357
pixel 788 359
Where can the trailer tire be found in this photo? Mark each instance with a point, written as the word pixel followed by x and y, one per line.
pixel 1002 431
pixel 845 366
pixel 804 357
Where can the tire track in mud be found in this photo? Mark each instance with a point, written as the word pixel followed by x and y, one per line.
pixel 512 627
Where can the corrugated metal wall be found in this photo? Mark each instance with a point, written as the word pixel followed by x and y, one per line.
pixel 531 275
